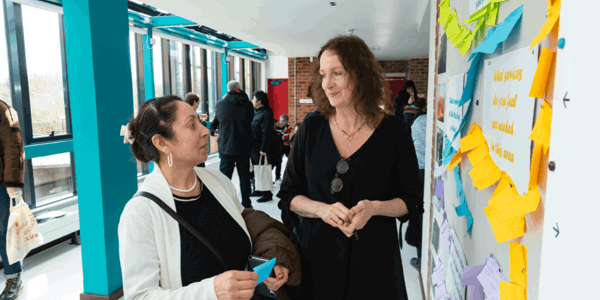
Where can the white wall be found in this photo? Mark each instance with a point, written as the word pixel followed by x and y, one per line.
pixel 276 67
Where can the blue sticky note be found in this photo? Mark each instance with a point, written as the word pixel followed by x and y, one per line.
pixel 472 76
pixel 264 270
pixel 439 188
pixel 459 186
pixel 469 221
pixel 462 210
pixel 499 34
pixel 463 121
pixel 448 158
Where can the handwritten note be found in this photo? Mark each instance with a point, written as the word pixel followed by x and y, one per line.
pixel 437 276
pixel 489 277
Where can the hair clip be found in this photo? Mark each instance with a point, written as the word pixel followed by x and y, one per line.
pixel 127 134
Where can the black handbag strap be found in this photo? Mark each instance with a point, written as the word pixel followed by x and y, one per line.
pixel 185 224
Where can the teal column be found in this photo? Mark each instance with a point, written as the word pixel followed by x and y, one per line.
pixel 100 90
pixel 148 65
pixel 148 73
pixel 224 72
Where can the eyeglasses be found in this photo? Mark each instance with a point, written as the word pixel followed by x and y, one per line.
pixel 341 168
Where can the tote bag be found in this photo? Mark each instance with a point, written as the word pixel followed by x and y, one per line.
pixel 22 233
pixel 263 176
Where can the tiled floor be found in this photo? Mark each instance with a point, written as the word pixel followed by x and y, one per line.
pixel 56 273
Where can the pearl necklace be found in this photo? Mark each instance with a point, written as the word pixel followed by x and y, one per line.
pixel 187 191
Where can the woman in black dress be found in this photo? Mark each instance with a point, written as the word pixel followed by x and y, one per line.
pixel 351 172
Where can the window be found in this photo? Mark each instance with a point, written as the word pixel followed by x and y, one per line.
pixel 52 177
pixel 211 64
pixel 133 63
pixel 44 72
pixel 196 68
pixel 176 53
pixel 247 82
pixel 5 94
pixel 236 69
pixel 157 58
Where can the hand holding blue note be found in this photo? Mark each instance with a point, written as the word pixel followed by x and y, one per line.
pixel 265 269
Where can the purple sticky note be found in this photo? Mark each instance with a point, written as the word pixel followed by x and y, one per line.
pixel 439 188
pixel 475 292
pixel 437 276
pixel 441 292
pixel 439 171
pixel 441 202
pixel 470 273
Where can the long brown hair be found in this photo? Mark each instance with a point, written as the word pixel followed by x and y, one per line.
pixel 370 92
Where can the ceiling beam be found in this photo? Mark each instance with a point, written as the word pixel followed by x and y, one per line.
pixel 170 21
pixel 240 45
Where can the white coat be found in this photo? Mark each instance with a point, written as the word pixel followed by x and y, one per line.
pixel 149 240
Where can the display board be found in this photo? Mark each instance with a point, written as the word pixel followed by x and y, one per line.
pixel 477 232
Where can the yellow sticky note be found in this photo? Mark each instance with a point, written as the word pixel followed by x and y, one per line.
pixel 482 12
pixel 518 264
pixel 536 157
pixel 538 87
pixel 445 13
pixel 478 154
pixel 507 193
pixel 506 230
pixel 485 173
pixel 522 205
pixel 536 133
pixel 456 158
pixel 554 14
pixel 474 139
pixel 493 15
pixel 546 125
pixel 505 181
pixel 511 291
pixel 452 28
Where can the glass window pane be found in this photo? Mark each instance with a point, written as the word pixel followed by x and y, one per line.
pixel 247 80
pixel 197 70
pixel 176 68
pixel 158 68
pixel 4 77
pixel 52 178
pixel 212 81
pixel 44 71
pixel 133 62
pixel 236 69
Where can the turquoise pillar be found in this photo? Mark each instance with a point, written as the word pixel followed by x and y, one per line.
pixel 224 72
pixel 100 90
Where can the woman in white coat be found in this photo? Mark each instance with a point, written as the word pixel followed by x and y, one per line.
pixel 160 259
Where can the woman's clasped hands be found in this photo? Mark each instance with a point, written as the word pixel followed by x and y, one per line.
pixel 347 220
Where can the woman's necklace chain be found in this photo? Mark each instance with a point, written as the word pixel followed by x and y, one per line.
pixel 349 136
pixel 187 191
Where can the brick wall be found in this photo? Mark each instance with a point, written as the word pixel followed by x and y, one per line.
pixel 302 79
pixel 419 71
pixel 394 66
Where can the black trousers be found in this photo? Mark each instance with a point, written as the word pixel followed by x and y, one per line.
pixel 242 162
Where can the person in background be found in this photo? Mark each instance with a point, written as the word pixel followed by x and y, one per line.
pixel 407 96
pixel 276 150
pixel 12 170
pixel 415 224
pixel 296 128
pixel 194 100
pixel 413 111
pixel 284 131
pixel 262 131
pixel 352 172
pixel 232 125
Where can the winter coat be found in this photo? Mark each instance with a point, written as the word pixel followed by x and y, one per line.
pixel 233 119
pixel 262 132
pixel 12 152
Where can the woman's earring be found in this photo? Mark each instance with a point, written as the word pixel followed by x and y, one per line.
pixel 170 159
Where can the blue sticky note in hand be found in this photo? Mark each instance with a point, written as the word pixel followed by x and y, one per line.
pixel 264 270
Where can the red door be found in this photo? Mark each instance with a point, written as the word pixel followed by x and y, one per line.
pixel 396 83
pixel 278 96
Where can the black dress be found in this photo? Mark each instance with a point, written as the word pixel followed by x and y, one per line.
pixel 385 167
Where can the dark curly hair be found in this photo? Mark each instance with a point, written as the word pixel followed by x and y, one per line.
pixel 156 116
pixel 371 93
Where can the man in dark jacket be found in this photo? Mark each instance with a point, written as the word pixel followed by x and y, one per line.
pixel 233 126
pixel 12 170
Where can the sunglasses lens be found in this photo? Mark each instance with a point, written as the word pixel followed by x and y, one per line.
pixel 336 185
pixel 342 166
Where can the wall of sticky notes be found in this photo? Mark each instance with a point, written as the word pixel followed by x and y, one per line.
pixel 478 224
